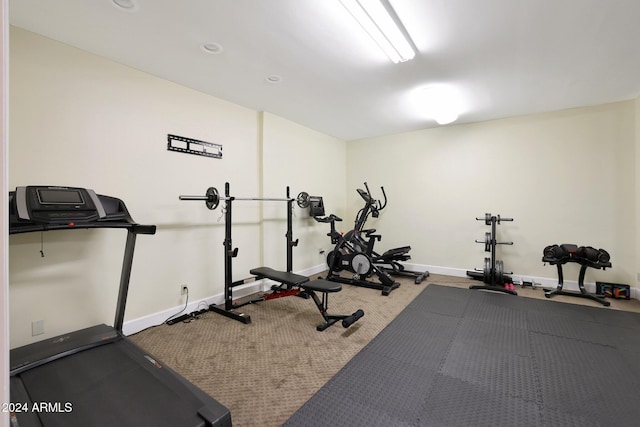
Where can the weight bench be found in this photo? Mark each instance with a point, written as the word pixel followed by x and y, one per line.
pixel 326 287
pixel 283 277
pixel 289 283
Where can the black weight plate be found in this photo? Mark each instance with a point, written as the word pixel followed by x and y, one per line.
pixel 213 198
pixel 499 273
pixel 486 272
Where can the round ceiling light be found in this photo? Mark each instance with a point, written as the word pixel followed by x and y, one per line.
pixel 439 102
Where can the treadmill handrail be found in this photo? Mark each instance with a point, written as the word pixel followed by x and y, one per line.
pixel 116 216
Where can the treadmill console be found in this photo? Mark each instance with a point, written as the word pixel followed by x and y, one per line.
pixel 58 205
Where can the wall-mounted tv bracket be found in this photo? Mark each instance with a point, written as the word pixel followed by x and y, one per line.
pixel 193 146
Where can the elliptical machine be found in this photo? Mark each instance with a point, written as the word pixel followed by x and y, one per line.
pixel 390 260
pixel 354 251
pixel 348 256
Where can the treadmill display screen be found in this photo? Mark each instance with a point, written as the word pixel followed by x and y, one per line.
pixel 50 196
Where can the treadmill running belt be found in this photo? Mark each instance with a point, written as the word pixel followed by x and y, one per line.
pixel 128 389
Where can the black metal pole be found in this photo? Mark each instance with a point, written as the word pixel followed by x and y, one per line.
pixel 228 251
pixel 493 251
pixel 289 233
pixel 125 277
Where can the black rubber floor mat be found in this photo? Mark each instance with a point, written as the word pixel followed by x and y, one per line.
pixel 458 357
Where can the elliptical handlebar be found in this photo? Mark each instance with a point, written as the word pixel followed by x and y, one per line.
pixel 376 205
pixel 382 205
pixel 371 207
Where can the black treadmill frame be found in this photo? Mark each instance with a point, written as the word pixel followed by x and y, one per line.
pixel 208 412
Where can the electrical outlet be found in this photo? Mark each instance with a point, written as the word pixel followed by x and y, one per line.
pixel 184 290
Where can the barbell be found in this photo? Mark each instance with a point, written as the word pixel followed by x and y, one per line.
pixel 212 198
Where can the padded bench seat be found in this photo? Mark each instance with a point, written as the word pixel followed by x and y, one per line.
pixel 287 278
pixel 320 285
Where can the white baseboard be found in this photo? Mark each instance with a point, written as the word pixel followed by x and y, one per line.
pixel 546 282
pixel 136 325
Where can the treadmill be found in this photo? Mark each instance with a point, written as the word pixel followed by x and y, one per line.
pixel 96 376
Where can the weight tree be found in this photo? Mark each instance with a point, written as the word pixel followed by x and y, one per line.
pixel 492 273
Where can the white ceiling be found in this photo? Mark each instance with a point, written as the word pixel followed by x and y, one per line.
pixel 507 57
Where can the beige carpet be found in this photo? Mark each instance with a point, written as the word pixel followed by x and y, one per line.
pixel 263 372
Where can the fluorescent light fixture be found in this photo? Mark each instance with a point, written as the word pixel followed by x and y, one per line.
pixel 375 17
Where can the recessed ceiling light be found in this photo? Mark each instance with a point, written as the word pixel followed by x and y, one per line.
pixel 213 48
pixel 125 4
pixel 274 78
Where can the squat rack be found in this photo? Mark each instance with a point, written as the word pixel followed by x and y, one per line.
pixel 212 199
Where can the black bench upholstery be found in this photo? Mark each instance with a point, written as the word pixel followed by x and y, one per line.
pixel 325 287
pixel 284 277
pixel 321 285
pixel 309 289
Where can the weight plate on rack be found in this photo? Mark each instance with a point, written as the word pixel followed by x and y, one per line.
pixel 499 273
pixel 486 272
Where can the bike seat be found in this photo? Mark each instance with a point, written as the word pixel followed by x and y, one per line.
pixel 328 219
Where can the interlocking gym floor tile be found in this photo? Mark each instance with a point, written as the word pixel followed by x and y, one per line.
pixel 561 326
pixel 455 402
pixel 492 371
pixel 460 357
pixel 586 356
pixel 434 300
pixel 485 334
pixel 337 409
pixel 424 344
pixel 396 388
pixel 497 309
pixel 558 418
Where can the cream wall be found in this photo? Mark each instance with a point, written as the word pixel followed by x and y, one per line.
pixel 77 119
pixel 80 120
pixel 308 161
pixel 565 177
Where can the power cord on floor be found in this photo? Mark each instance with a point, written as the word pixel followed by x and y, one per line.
pixel 173 317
